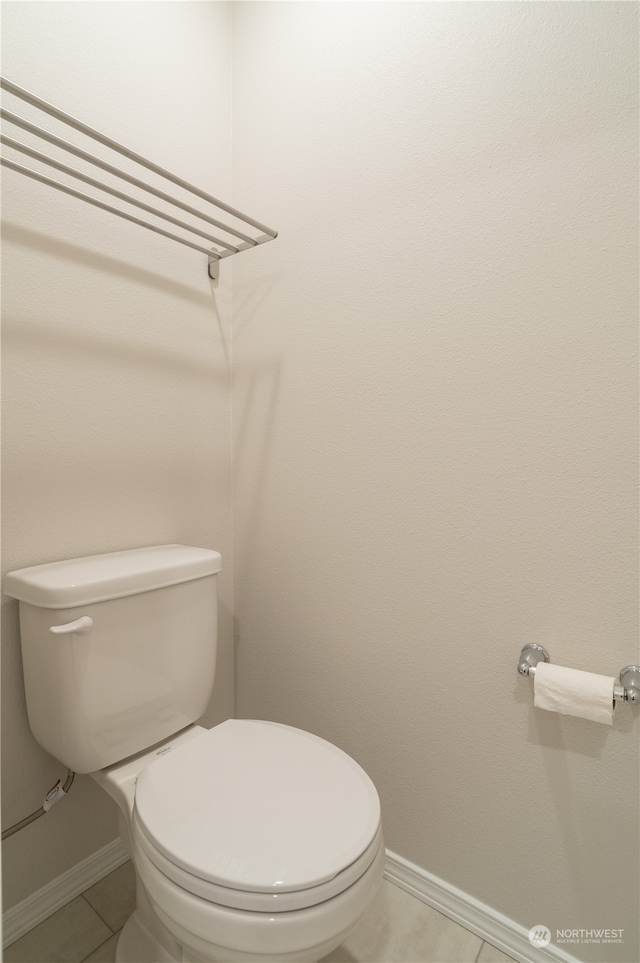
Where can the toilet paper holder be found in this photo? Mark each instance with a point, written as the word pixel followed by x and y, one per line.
pixel 627 690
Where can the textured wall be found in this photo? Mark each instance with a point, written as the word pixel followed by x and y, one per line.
pixel 435 419
pixel 116 414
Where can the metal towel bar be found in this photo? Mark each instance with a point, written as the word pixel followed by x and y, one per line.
pixel 223 248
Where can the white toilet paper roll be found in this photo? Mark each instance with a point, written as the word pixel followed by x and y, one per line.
pixel 574 693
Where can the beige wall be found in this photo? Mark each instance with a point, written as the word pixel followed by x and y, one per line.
pixel 435 411
pixel 116 414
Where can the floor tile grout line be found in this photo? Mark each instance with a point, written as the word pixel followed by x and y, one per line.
pixel 95 950
pixel 82 896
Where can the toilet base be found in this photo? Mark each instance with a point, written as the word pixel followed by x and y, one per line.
pixel 156 932
pixel 136 944
pixel 300 936
pixel 145 939
pixel 212 953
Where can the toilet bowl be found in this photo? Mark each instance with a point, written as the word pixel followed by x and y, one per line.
pixel 251 841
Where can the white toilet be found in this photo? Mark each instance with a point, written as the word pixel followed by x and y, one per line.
pixel 252 840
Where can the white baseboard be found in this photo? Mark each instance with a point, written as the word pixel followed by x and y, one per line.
pixel 35 908
pixel 505 934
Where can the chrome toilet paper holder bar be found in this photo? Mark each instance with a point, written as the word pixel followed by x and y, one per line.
pixel 626 690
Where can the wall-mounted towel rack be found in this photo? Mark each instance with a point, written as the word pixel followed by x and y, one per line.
pixel 238 240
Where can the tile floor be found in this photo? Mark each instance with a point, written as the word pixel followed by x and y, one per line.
pixel 397 929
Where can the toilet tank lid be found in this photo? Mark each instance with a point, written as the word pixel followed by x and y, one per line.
pixel 97 578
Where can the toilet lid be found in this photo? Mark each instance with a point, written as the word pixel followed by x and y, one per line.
pixel 258 806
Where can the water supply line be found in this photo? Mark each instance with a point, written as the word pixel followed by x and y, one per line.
pixel 55 794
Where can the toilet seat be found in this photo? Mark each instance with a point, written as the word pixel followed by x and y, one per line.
pixel 257 816
pixel 152 861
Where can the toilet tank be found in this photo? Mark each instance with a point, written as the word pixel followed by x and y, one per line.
pixel 139 662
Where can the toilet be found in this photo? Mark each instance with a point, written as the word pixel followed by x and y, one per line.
pixel 251 841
